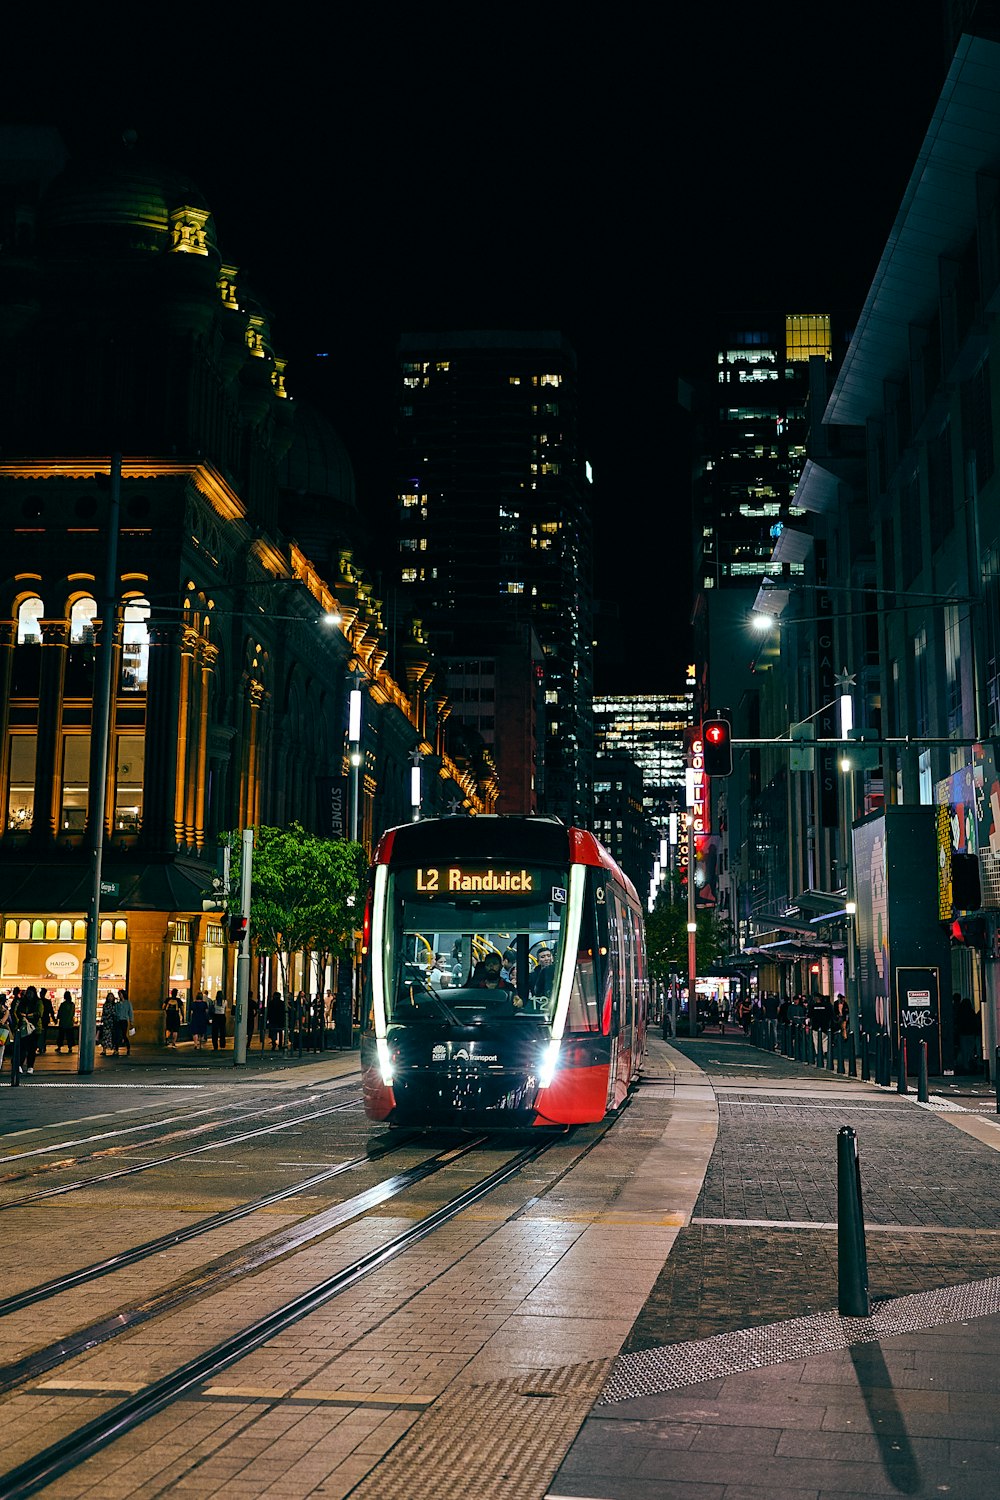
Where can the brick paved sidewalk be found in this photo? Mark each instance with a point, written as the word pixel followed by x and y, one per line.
pixel 739 1380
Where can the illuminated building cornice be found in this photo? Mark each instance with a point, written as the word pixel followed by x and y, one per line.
pixel 207 480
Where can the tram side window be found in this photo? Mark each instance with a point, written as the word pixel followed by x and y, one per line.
pixel 584 1008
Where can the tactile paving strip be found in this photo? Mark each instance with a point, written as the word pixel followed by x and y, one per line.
pixel 498 1441
pixel 653 1371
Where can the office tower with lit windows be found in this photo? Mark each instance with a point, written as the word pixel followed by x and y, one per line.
pixel 493 535
pixel 751 412
pixel 647 731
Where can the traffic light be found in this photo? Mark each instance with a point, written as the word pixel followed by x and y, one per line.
pixel 238 927
pixel 717 741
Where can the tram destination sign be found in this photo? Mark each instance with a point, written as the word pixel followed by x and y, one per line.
pixel 474 880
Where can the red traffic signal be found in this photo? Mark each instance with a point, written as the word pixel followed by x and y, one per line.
pixel 237 928
pixel 717 745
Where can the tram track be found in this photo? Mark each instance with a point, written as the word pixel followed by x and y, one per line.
pixel 75 1447
pixel 229 1267
pixel 165 1242
pixel 175 1156
pixel 199 1129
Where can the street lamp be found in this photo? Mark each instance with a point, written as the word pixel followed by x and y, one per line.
pixel 415 784
pixel 354 748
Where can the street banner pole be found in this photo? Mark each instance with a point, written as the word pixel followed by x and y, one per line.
pixel 243 957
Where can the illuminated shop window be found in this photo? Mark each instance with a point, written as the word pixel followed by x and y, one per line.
pixel 80 930
pixel 38 931
pixel 81 622
pixel 29 631
pixel 66 931
pixel 135 646
pixel 52 930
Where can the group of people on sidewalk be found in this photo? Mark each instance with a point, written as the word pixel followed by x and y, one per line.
pixel 27 1017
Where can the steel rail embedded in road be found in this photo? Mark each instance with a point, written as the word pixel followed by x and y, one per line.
pixel 237 1264
pixel 59 1284
pixel 31 1476
pixel 160 1161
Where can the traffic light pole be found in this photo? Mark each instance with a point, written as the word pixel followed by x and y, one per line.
pixel 243 957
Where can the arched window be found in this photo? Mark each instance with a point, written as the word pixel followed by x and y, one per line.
pixel 29 631
pixel 81 622
pixel 66 931
pixel 38 931
pixel 135 646
pixel 52 931
pixel 107 931
pixel 10 931
pixel 80 930
pixel 121 930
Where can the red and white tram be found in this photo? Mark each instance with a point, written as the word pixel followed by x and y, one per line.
pixel 557 1036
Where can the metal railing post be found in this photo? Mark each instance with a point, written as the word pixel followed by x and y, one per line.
pixel 922 1094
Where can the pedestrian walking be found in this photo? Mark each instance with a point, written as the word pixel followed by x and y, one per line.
pixel 968 1034
pixel 48 1018
pixel 219 1022
pixel 124 1023
pixel 276 1019
pixel 66 1022
pixel 106 1026
pixel 5 1032
pixel 172 1020
pixel 29 1018
pixel 199 1020
pixel 820 1025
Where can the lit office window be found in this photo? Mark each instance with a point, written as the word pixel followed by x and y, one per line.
pixel 81 622
pixel 807 334
pixel 75 782
pixel 128 783
pixel 21 788
pixel 29 631
pixel 135 646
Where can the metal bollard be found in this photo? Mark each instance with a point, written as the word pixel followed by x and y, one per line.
pixel 901 1084
pixel 829 1051
pixel 866 1062
pixel 853 1055
pixel 852 1255
pixel 996 1075
pixel 922 1093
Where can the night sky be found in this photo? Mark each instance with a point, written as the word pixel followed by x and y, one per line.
pixel 612 174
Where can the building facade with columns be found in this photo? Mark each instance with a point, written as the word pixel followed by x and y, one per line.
pixel 122 332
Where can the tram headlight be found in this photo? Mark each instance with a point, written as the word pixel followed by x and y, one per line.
pixel 384 1060
pixel 550 1058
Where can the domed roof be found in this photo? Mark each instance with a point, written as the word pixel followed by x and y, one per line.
pixel 124 198
pixel 317 464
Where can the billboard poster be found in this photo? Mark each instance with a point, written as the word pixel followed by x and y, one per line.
pixel 900 939
pixel 873 923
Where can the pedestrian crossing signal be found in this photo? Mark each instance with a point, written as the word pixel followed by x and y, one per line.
pixel 237 928
pixel 717 743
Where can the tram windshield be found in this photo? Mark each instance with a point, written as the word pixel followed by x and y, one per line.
pixel 469 940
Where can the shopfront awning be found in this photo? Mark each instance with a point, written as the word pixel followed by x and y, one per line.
pixel 63 886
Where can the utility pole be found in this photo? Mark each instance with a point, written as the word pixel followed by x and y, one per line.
pixel 100 733
pixel 243 957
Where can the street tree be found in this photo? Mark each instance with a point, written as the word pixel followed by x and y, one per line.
pixel 305 892
pixel 667 938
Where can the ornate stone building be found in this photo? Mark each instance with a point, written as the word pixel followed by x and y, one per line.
pixel 123 332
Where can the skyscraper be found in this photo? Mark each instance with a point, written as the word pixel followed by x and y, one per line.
pixel 493 535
